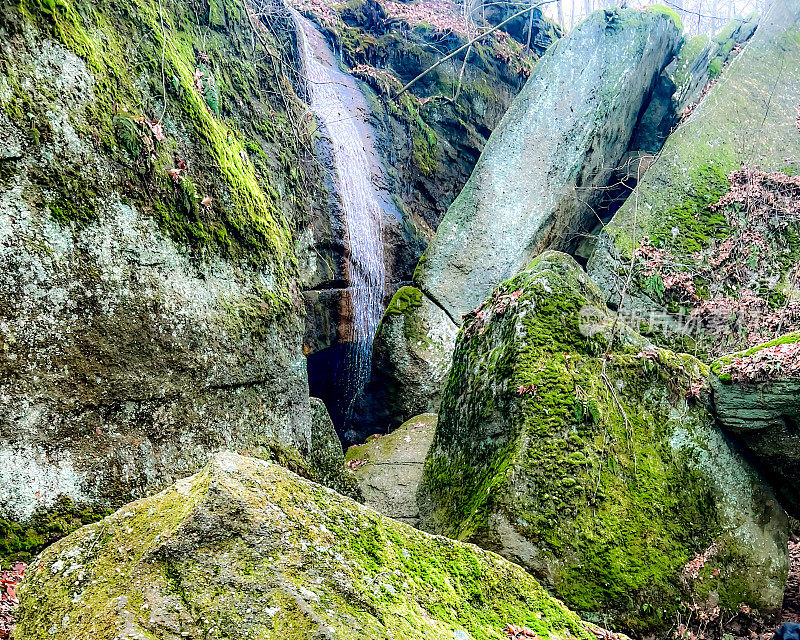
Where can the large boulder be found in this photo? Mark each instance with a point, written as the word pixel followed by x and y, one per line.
pixel 593 461
pixel 711 229
pixel 757 400
pixel 149 312
pixel 246 549
pixel 562 137
pixel 536 181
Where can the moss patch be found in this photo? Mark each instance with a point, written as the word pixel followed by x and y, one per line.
pixel 247 549
pixel 568 438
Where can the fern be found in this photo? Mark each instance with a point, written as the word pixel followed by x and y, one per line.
pixel 128 134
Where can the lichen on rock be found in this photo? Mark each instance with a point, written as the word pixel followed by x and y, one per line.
pixel 247 549
pixel 149 310
pixel 594 462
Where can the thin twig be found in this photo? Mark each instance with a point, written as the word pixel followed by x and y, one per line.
pixel 469 44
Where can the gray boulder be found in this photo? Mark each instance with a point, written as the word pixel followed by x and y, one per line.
pixel 571 446
pixel 535 181
pixel 388 468
pixel 410 362
pixel 246 549
pixel 149 311
pixel 757 400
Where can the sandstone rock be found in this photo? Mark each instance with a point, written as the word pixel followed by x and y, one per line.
pixel 699 266
pixel 388 468
pixel 564 131
pixel 410 362
pixel 562 137
pixel 757 400
pixel 595 464
pixel 140 329
pixel 247 549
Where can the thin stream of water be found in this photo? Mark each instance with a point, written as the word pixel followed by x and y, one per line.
pixel 359 199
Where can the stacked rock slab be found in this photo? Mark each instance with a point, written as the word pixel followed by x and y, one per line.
pixel 535 182
pixel 247 549
pixel 595 464
pixel 757 400
pixel 388 468
pixel 747 120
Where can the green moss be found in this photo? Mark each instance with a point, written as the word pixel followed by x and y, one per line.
pixel 670 13
pixel 406 298
pixel 21 541
pixel 687 56
pixel 329 564
pixel 715 68
pixel 245 220
pixel 696 224
pixel 583 465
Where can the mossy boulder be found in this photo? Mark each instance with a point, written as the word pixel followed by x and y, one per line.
pixel 247 549
pixel 410 362
pixel 757 400
pixel 569 444
pixel 709 277
pixel 149 311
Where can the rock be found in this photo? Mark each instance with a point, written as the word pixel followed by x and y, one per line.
pixel 596 465
pixel 521 196
pixel 568 129
pixel 410 363
pixel 702 60
pixel 708 278
pixel 756 396
pixel 247 549
pixel 141 329
pixel 388 468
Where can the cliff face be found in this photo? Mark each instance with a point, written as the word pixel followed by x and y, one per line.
pixel 152 168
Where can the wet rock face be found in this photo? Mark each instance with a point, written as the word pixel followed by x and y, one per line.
pixel 247 549
pixel 559 140
pixel 713 268
pixel 596 465
pixel 148 307
pixel 756 400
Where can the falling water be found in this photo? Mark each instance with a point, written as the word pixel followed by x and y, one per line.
pixel 335 100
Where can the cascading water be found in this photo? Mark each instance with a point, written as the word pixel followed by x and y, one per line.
pixel 335 101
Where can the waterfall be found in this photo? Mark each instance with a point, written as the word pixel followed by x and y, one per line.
pixel 341 109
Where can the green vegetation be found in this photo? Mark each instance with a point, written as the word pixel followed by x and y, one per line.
pixel 146 59
pixel 579 457
pixel 361 574
pixel 21 542
pixel 406 298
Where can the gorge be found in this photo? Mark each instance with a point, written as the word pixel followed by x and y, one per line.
pixel 289 352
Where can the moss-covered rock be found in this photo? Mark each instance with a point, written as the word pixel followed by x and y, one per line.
pixel 148 300
pixel 756 396
pixel 388 467
pixel 595 463
pixel 247 549
pixel 410 362
pixel 743 125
